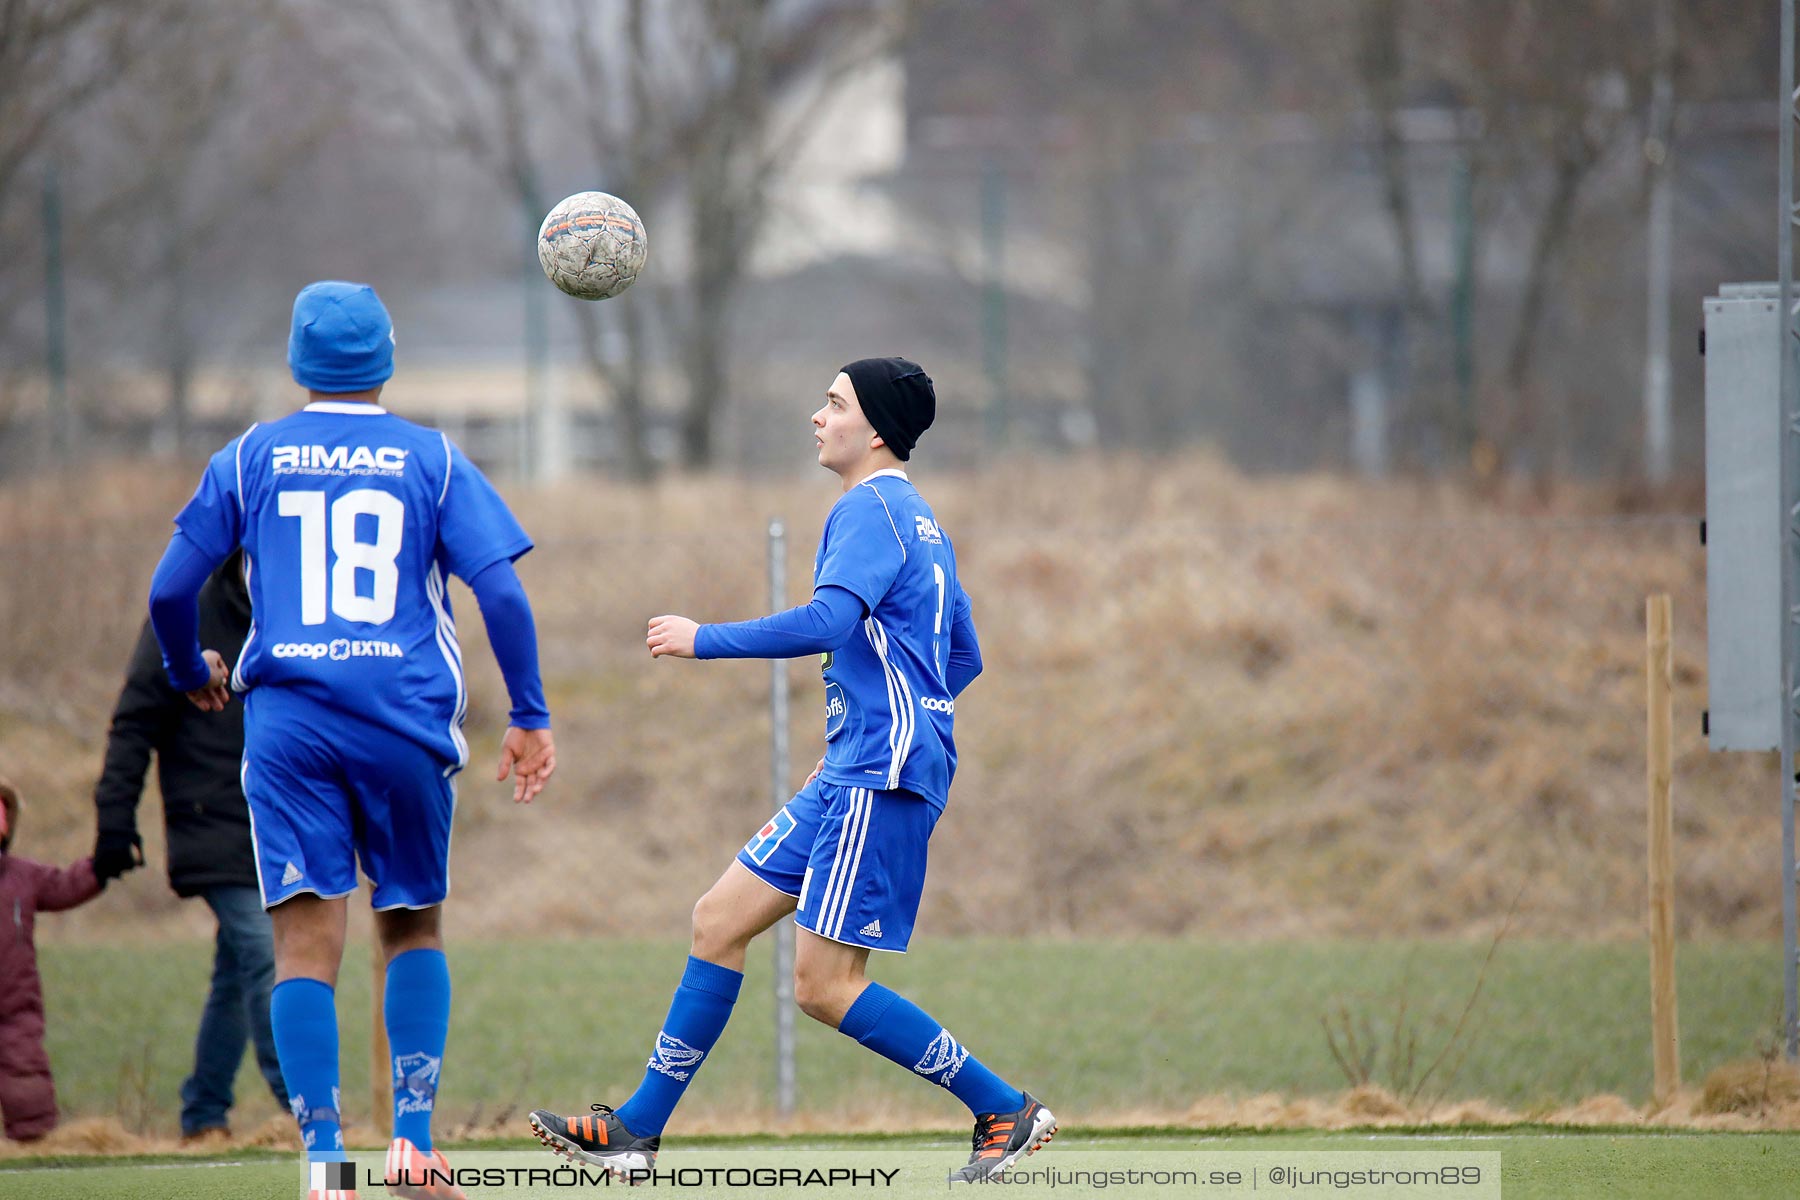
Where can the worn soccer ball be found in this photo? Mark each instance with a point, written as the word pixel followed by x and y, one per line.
pixel 592 245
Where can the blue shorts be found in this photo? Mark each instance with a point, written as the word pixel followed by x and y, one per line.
pixel 853 857
pixel 324 788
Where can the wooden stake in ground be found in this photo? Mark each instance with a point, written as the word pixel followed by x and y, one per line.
pixel 1659 763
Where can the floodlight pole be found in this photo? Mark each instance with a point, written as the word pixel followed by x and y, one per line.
pixel 56 355
pixel 531 419
pixel 1658 148
pixel 993 302
pixel 1790 536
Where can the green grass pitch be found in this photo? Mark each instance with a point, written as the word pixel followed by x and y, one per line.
pixel 1533 1164
pixel 1094 1028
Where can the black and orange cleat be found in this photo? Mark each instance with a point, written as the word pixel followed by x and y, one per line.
pixel 599 1138
pixel 1002 1139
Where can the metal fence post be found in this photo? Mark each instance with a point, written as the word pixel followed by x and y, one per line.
pixel 778 791
pixel 1790 542
pixel 56 356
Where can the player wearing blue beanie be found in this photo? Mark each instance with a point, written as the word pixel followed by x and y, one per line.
pixel 342 339
pixel 352 680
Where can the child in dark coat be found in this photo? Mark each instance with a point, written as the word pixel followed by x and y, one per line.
pixel 27 1096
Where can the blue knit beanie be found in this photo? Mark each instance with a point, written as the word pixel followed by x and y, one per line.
pixel 342 339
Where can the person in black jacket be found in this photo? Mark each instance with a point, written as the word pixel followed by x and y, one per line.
pixel 198 758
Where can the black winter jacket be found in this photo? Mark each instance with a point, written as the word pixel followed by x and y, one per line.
pixel 197 753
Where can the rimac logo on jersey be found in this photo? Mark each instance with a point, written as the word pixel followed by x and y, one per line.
pixel 338 460
pixel 942 1059
pixel 928 530
pixel 769 837
pixel 415 1082
pixel 674 1057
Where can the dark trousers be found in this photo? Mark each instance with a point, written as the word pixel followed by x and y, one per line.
pixel 236 1012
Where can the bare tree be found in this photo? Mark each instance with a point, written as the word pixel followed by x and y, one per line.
pixel 1552 87
pixel 510 85
pixel 736 151
pixel 1148 68
pixel 57 57
pixel 1386 82
pixel 200 153
pixel 698 103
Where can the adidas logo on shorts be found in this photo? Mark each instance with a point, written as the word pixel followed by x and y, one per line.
pixel 291 875
pixel 871 930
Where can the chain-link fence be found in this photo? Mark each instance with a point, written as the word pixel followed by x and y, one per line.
pixel 1355 728
pixel 1214 710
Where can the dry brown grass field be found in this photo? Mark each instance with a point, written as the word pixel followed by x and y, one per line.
pixel 1214 704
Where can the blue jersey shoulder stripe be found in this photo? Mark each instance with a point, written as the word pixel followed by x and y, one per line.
pixel 890 516
pixel 239 457
pixel 448 461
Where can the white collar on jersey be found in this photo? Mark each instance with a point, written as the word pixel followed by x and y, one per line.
pixel 896 472
pixel 352 408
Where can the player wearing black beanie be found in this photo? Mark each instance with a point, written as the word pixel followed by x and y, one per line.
pixel 895 635
pixel 897 397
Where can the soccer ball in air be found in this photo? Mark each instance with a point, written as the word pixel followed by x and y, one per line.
pixel 592 245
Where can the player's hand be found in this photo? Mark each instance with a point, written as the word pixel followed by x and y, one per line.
pixel 529 755
pixel 671 635
pixel 217 692
pixel 815 772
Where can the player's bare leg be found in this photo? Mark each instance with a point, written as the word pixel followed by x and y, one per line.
pixel 625 1141
pixel 403 929
pixel 417 1010
pixel 732 913
pixel 828 977
pixel 309 938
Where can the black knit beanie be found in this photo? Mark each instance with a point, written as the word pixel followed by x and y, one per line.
pixel 897 397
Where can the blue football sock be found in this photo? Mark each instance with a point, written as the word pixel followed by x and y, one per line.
pixel 417 1008
pixel 697 1017
pixel 900 1031
pixel 304 1015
